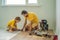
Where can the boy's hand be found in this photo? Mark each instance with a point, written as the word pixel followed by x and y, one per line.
pixel 10 31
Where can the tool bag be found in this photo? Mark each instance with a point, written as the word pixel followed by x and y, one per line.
pixel 44 25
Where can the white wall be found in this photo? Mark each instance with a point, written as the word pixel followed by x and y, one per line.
pixel 58 18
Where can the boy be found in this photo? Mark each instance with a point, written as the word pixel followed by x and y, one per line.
pixel 32 18
pixel 12 25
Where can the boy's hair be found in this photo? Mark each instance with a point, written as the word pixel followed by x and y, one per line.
pixel 24 12
pixel 17 18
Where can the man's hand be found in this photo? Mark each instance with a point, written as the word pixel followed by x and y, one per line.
pixel 24 24
pixel 21 29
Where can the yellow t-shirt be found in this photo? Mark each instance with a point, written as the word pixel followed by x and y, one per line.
pixel 32 17
pixel 12 24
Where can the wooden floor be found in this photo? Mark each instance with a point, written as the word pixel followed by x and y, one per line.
pixel 26 36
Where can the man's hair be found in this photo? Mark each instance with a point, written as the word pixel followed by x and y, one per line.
pixel 24 12
pixel 17 18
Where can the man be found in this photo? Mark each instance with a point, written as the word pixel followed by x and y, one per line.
pixel 33 21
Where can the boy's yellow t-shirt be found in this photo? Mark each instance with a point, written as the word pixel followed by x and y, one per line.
pixel 32 17
pixel 12 24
